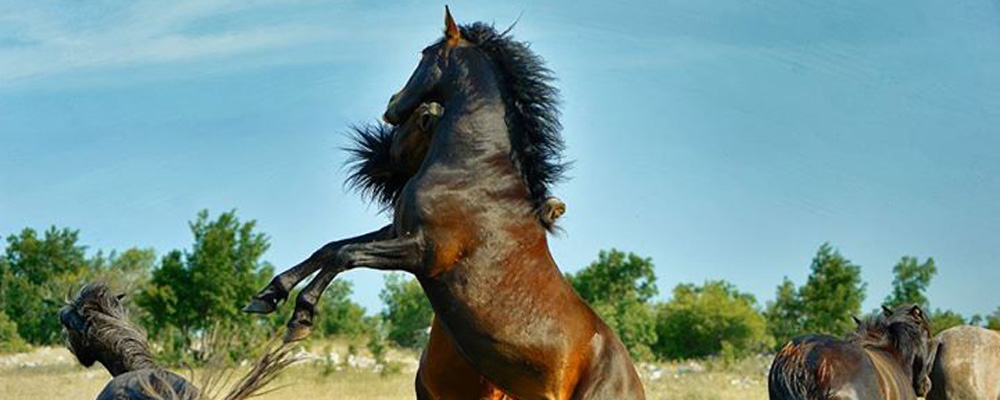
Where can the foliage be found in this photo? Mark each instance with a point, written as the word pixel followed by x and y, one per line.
pixel 944 319
pixel 338 315
pixel 993 320
pixel 911 281
pixel 37 274
pixel 616 275
pixel 701 321
pixel 407 311
pixel 833 293
pixel 10 341
pixel 784 314
pixel 619 286
pixel 193 290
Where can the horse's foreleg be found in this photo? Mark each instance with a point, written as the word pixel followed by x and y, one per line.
pixel 397 254
pixel 389 254
pixel 266 301
pixel 301 323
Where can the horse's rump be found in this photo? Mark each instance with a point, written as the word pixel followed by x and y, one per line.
pixel 800 371
pixel 967 365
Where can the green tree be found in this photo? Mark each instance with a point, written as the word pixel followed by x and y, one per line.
pixel 705 320
pixel 197 289
pixel 944 319
pixel 10 341
pixel 784 314
pixel 338 315
pixel 993 320
pixel 619 286
pixel 407 312
pixel 833 293
pixel 37 274
pixel 911 281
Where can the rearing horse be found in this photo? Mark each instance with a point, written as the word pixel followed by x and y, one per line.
pixel 465 226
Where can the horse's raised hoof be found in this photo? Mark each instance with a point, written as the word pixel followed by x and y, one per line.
pixel 297 332
pixel 258 306
pixel 266 301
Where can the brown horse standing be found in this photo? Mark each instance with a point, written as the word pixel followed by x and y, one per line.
pixel 465 226
pixel 887 357
pixel 967 365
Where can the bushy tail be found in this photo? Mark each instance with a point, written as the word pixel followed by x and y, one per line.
pixel 373 173
pixel 217 377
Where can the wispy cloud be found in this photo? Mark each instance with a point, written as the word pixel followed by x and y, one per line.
pixel 43 42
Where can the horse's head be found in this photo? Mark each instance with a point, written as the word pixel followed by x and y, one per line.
pixel 912 331
pixel 430 80
pixel 95 302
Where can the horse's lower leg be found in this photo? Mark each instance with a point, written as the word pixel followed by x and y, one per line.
pixel 301 323
pixel 392 255
pixel 266 301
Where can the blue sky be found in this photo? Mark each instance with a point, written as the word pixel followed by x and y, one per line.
pixel 724 139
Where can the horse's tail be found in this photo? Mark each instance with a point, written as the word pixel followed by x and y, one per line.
pixel 793 378
pixel 372 171
pixel 275 358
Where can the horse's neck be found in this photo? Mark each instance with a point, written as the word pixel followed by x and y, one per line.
pixel 892 371
pixel 118 361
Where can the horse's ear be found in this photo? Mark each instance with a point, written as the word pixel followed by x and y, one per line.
pixel 886 310
pixel 916 312
pixel 856 320
pixel 450 27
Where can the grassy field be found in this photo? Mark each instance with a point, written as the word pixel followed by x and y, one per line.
pixel 50 373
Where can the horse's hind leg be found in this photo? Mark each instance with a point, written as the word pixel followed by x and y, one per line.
pixel 445 375
pixel 266 301
pixel 610 374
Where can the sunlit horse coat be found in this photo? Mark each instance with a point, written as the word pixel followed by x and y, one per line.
pixel 887 357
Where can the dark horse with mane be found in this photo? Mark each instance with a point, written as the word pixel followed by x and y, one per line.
pixel 97 330
pixel 466 226
pixel 888 356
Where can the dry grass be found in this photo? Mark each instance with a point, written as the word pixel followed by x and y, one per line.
pixel 50 374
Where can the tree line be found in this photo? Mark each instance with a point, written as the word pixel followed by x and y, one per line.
pixel 185 294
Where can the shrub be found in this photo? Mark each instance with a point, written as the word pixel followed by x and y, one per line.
pixel 707 320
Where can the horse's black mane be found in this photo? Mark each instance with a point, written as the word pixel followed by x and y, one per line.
pixel 532 107
pixel 897 332
pixel 532 115
pixel 107 323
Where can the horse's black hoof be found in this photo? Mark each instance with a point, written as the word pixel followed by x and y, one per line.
pixel 297 332
pixel 258 306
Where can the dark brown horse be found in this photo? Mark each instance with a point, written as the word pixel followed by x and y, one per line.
pixel 97 330
pixel 967 365
pixel 466 226
pixel 888 356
